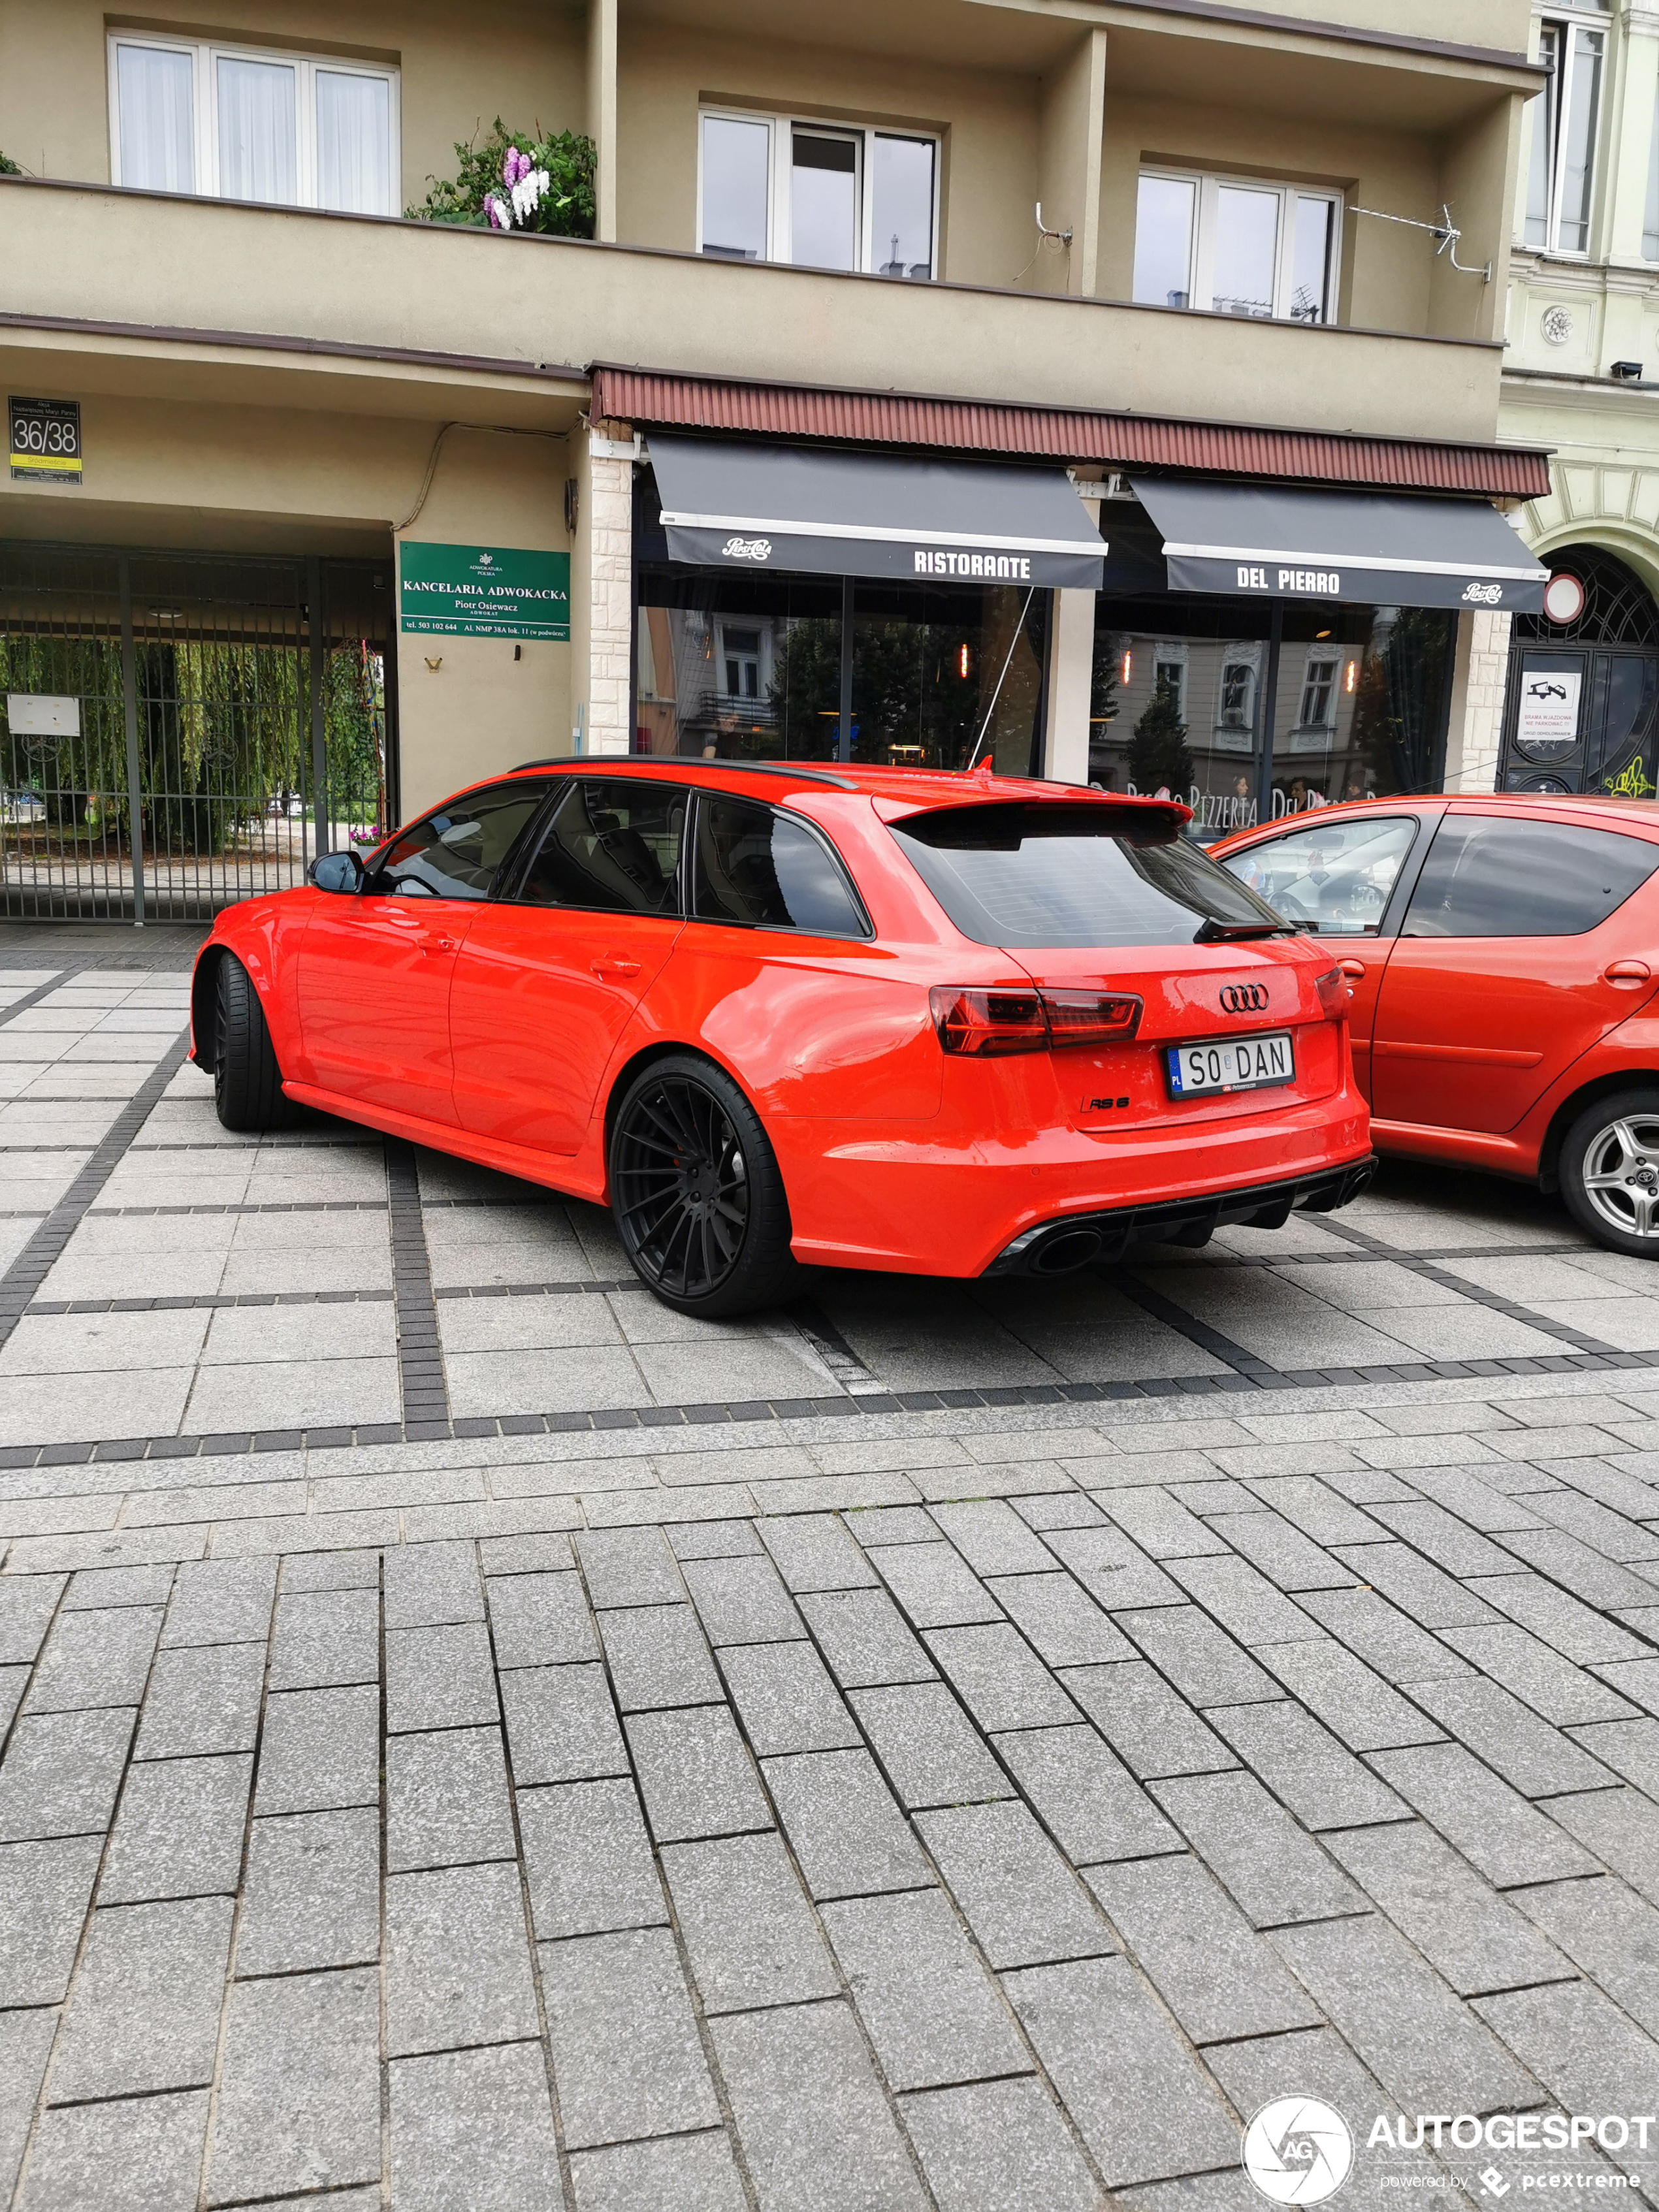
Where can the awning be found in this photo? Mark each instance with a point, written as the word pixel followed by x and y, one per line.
pixel 1374 547
pixel 749 507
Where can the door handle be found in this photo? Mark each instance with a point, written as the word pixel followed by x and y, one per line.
pixel 1355 967
pixel 614 965
pixel 437 944
pixel 1627 971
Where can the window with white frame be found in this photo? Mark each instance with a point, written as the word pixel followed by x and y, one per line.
pixel 1235 706
pixel 1319 692
pixel 1564 121
pixel 822 195
pixel 1237 246
pixel 247 124
pixel 1650 211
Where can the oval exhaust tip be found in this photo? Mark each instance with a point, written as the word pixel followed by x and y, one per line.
pixel 1063 1254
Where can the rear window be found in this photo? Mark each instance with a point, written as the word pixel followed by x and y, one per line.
pixel 1487 877
pixel 1030 874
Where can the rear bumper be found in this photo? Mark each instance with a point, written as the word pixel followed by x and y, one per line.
pixel 1077 1240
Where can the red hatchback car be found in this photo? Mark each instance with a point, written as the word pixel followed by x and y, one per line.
pixel 1503 956
pixel 868 1018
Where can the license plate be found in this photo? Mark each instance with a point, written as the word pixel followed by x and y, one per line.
pixel 1254 1063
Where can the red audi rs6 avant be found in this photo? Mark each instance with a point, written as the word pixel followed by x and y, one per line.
pixel 867 1017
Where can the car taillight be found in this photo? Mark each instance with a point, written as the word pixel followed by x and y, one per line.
pixel 1333 993
pixel 990 1024
pixel 1092 1016
pixel 986 1024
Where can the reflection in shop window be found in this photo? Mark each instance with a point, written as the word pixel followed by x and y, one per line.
pixel 750 667
pixel 1362 702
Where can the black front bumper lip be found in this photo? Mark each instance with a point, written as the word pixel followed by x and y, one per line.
pixel 1077 1240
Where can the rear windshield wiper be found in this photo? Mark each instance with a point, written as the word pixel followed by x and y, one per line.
pixel 1211 932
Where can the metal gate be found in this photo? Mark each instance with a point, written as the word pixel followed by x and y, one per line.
pixel 181 729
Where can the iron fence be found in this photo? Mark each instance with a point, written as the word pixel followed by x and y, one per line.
pixel 181 729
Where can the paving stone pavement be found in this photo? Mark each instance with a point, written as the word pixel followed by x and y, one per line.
pixel 939 1745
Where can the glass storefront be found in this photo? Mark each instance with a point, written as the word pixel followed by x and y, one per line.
pixel 752 666
pixel 1181 702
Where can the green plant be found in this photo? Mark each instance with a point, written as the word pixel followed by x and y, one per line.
pixel 565 209
pixel 1159 757
pixel 8 168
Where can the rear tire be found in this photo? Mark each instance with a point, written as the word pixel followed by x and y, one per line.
pixel 247 1084
pixel 696 1192
pixel 1610 1172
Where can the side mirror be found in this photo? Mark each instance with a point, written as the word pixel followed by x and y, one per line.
pixel 336 871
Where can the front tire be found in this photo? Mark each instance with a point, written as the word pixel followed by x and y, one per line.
pixel 696 1192
pixel 1610 1172
pixel 247 1084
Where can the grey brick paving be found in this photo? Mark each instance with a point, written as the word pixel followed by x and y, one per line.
pixel 963 1806
pixel 311 1896
pixel 179 1831
pixel 748 1931
pixel 626 2053
pixel 144 2013
pixel 588 1859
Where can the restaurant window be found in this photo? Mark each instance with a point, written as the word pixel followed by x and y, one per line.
pixel 1237 246
pixel 290 130
pixel 1360 709
pixel 1564 120
pixel 820 195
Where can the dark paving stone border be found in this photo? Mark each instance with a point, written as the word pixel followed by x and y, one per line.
pixel 1027 1396
pixel 420 1378
pixel 41 990
pixel 29 1270
pixel 1417 1265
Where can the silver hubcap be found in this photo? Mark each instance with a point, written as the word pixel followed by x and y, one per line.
pixel 1621 1174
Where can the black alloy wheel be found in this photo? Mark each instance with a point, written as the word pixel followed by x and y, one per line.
pixel 695 1191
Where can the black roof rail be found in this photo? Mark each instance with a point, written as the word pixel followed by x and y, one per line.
pixel 678 760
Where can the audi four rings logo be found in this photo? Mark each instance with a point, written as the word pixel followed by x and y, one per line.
pixel 1244 999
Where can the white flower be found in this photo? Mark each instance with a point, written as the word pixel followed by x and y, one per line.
pixel 527 193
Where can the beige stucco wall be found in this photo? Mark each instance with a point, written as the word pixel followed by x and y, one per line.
pixel 459 67
pixel 480 709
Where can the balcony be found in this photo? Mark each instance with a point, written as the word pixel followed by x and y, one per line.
pixel 250 303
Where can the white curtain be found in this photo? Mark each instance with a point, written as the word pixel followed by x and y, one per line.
pixel 353 142
pixel 158 133
pixel 257 112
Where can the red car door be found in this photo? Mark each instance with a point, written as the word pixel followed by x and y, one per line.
pixel 552 972
pixel 1339 875
pixel 1500 977
pixel 375 968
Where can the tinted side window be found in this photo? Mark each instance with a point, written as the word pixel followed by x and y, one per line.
pixel 1338 877
pixel 612 848
pixel 758 867
pixel 1490 877
pixel 455 853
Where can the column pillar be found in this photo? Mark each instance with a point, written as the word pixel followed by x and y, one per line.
pixel 602 627
pixel 1481 675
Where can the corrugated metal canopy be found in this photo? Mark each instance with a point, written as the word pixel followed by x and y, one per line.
pixel 748 507
pixel 717 405
pixel 1378 549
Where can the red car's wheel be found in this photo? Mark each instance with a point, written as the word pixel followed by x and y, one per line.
pixel 1610 1172
pixel 247 1084
pixel 695 1191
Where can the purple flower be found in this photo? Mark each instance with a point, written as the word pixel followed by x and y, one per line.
pixel 515 165
pixel 499 217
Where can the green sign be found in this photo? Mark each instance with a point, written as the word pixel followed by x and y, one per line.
pixel 483 591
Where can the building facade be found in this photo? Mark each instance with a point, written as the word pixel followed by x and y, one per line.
pixel 319 507
pixel 1582 378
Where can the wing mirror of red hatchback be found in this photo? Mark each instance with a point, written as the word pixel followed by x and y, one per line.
pixel 336 871
pixel 991 1024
